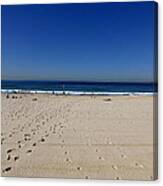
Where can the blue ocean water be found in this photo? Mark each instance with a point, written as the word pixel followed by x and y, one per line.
pixel 79 87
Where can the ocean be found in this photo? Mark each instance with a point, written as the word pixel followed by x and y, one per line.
pixel 78 88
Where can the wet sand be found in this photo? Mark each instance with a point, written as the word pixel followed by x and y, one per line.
pixel 90 137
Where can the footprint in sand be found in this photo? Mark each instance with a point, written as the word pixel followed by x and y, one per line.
pixel 42 140
pixel 2 140
pixel 7 169
pixel 34 144
pixel 29 151
pixel 114 167
pixel 68 160
pixel 16 158
pixel 100 158
pixel 27 137
pixel 79 168
pixel 2 133
pixel 123 156
pixel 10 150
pixel 8 157
pixel 20 144
pixel 139 165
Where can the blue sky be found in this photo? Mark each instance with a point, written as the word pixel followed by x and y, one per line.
pixel 87 42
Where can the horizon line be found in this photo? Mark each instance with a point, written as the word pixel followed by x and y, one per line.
pixel 79 81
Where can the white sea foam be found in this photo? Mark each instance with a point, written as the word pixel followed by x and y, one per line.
pixel 79 92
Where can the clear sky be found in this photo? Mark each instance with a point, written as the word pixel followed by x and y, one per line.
pixel 87 42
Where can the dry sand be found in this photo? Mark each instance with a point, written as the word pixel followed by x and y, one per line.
pixel 77 136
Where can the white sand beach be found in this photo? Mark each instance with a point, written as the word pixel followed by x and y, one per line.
pixel 90 137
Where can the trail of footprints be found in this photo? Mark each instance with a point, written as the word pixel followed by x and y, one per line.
pixel 40 120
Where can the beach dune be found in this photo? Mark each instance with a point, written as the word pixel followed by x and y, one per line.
pixel 90 137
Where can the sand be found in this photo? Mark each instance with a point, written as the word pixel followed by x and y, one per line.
pixel 90 137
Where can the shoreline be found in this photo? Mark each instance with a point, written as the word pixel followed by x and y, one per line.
pixel 77 93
